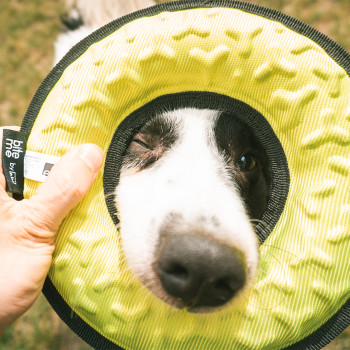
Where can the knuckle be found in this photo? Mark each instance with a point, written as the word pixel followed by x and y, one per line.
pixel 35 223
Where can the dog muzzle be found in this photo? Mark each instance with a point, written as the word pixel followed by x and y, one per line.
pixel 291 85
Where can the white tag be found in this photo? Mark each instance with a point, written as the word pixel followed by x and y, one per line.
pixel 37 166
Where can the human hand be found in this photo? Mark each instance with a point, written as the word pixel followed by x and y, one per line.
pixel 28 228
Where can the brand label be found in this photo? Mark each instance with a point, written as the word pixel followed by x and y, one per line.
pixel 13 151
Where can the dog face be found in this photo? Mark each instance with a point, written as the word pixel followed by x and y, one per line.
pixel 191 182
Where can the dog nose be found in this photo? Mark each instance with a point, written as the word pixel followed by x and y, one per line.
pixel 200 271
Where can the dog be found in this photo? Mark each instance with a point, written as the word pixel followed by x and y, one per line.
pixel 193 182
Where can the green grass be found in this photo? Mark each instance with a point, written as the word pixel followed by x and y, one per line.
pixel 28 29
pixel 40 328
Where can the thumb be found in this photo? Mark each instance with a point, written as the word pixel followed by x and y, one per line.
pixel 66 185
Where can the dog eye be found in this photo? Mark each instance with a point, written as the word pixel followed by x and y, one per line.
pixel 247 162
pixel 141 143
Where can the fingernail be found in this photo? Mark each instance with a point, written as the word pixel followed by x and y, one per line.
pixel 92 156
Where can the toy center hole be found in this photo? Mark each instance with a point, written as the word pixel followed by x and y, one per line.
pixel 276 169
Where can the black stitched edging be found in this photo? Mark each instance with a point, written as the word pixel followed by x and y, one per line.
pixel 339 321
pixel 327 332
pixel 204 100
pixel 74 322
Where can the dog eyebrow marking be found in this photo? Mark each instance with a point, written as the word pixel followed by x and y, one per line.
pixel 160 130
pixel 149 144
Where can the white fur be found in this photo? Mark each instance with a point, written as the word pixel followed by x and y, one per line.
pixel 190 179
pixel 67 40
pixel 96 13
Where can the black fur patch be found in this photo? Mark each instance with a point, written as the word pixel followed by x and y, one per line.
pixel 247 162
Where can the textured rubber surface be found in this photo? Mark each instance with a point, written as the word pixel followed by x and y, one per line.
pixel 304 95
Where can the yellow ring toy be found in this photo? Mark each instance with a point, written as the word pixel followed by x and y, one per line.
pixel 294 79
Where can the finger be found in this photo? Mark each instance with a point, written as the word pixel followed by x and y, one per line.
pixel 66 185
pixel 2 177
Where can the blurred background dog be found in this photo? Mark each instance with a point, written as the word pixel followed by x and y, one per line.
pixel 85 16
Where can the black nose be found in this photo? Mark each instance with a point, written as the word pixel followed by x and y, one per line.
pixel 200 271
